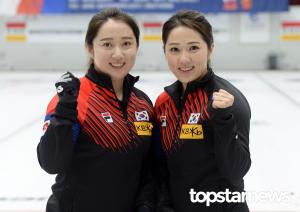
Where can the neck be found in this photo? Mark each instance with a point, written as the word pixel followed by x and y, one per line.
pixel 118 88
pixel 183 87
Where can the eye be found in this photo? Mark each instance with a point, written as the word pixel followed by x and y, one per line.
pixel 194 48
pixel 127 43
pixel 107 45
pixel 174 49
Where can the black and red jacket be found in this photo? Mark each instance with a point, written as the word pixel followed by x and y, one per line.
pixel 203 148
pixel 101 152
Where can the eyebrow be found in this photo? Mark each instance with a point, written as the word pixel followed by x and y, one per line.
pixel 192 42
pixel 124 38
pixel 130 38
pixel 105 39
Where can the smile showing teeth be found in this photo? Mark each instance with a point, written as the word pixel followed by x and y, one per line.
pixel 185 69
pixel 117 65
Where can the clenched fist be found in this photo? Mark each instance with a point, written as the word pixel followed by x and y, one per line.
pixel 222 99
pixel 67 88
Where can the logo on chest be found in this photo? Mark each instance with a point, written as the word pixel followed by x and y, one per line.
pixel 143 128
pixel 142 124
pixel 107 117
pixel 142 116
pixel 194 118
pixel 192 130
pixel 163 120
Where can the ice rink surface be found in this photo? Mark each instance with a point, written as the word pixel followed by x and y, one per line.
pixel 273 181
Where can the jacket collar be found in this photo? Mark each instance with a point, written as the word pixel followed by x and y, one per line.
pixel 191 86
pixel 175 89
pixel 104 80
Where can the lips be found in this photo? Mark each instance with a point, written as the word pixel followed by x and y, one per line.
pixel 186 69
pixel 117 65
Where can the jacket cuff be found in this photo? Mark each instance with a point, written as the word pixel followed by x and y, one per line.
pixel 144 208
pixel 164 208
pixel 220 114
pixel 66 111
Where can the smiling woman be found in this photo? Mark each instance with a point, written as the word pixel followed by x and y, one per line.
pixel 113 52
pixel 112 46
pixel 98 129
pixel 203 122
pixel 187 56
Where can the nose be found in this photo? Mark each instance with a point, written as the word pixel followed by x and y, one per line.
pixel 117 53
pixel 184 58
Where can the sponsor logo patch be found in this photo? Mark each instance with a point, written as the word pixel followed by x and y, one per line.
pixel 163 120
pixel 143 128
pixel 107 117
pixel 191 131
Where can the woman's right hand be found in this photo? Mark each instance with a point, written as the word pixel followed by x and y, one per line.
pixel 67 88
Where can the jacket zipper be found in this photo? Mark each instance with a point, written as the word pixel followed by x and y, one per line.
pixel 177 127
pixel 125 115
pixel 179 116
pixel 127 122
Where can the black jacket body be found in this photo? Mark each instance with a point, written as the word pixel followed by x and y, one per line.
pixel 201 148
pixel 100 151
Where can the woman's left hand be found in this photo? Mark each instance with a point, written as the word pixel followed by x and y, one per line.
pixel 222 99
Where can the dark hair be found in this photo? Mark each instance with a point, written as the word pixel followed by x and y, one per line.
pixel 191 19
pixel 102 17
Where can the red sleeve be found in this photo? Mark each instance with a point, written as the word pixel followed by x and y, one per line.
pixel 52 104
pixel 161 99
pixel 86 87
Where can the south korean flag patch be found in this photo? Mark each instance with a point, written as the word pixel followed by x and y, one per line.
pixel 194 118
pixel 142 116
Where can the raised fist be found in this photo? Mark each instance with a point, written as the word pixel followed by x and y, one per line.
pixel 222 99
pixel 67 88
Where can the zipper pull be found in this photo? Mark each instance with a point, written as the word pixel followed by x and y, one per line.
pixel 178 118
pixel 177 125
